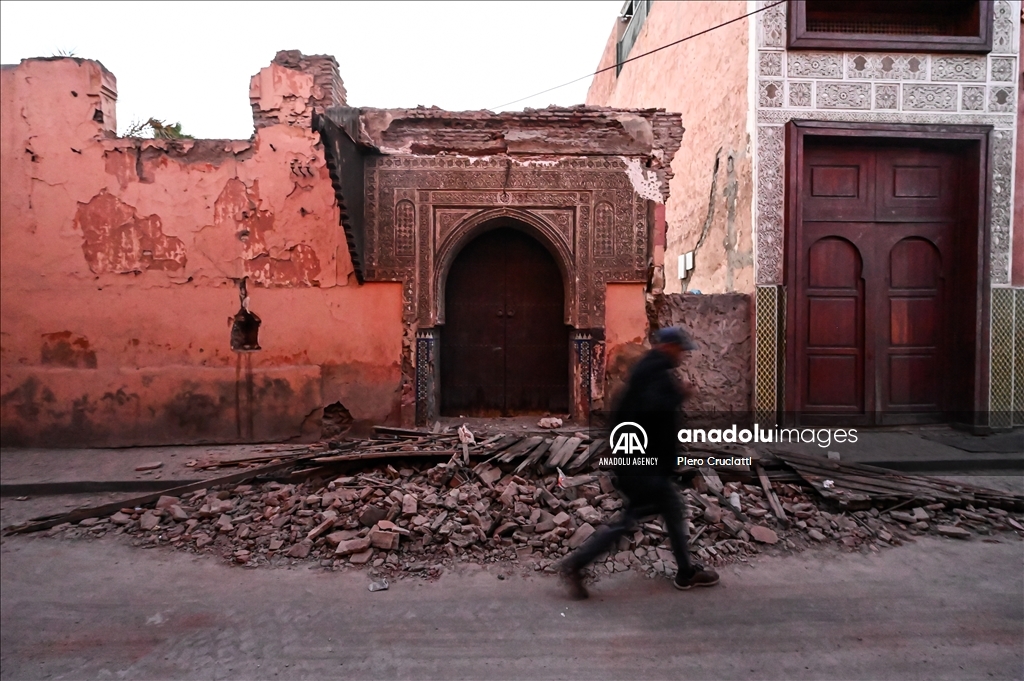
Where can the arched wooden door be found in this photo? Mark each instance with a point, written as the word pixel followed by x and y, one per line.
pixel 875 259
pixel 504 344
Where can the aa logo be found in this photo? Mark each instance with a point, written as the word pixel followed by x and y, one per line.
pixel 628 438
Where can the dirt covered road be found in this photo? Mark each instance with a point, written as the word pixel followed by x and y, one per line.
pixel 934 609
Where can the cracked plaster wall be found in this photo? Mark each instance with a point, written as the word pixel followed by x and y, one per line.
pixel 120 261
pixel 714 113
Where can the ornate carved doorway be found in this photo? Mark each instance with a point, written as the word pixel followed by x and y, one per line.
pixel 505 344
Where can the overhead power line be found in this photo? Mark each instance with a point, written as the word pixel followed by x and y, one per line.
pixel 641 56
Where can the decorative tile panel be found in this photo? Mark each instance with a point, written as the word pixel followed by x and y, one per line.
pixel 1003 39
pixel 958 68
pixel 769 64
pixel 972 98
pixel 1001 384
pixel 887 96
pixel 799 93
pixel 1003 70
pixel 783 116
pixel 929 97
pixel 769 93
pixel 771 25
pixel 767 378
pixel 1018 357
pixel 1002 98
pixel 868 87
pixel 770 155
pixel 814 65
pixel 1002 209
pixel 887 66
pixel 843 95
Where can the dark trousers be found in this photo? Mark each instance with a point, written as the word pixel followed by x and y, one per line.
pixel 645 495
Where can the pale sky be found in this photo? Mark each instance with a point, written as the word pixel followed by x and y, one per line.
pixel 191 62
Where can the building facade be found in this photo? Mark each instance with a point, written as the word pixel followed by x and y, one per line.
pixel 866 201
pixel 361 265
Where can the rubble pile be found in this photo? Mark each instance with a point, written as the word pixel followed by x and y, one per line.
pixel 418 518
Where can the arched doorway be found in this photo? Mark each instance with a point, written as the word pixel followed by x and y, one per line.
pixel 505 344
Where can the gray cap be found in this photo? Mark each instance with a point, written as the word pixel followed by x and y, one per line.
pixel 675 335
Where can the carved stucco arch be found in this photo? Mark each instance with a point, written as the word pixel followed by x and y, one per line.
pixel 525 220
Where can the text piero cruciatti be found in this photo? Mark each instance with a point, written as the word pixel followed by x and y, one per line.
pixel 680 461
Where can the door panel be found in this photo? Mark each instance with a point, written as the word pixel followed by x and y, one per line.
pixel 916 186
pixel 915 343
pixel 473 338
pixel 839 186
pixel 874 250
pixel 537 358
pixel 504 346
pixel 834 319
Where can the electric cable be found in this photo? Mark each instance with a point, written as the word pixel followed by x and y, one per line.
pixel 641 56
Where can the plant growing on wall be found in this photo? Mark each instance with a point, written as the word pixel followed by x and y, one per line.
pixel 156 129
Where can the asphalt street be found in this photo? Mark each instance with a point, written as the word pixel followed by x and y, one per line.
pixel 934 609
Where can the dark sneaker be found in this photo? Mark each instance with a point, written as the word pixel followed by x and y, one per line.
pixel 701 576
pixel 574 583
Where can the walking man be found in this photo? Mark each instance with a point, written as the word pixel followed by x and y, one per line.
pixel 651 399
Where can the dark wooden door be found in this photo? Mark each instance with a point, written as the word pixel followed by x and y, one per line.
pixel 504 345
pixel 874 258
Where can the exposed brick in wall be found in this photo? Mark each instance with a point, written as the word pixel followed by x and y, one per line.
pixel 555 131
pixel 324 91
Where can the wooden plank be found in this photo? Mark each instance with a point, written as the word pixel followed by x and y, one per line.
pixel 555 448
pixel 712 479
pixel 397 454
pixel 520 449
pixel 535 455
pixel 401 432
pixel 817 477
pixel 769 493
pixel 46 522
pixel 880 483
pixel 564 453
pixel 228 463
pixel 594 448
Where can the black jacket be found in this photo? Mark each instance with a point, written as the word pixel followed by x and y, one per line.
pixel 653 398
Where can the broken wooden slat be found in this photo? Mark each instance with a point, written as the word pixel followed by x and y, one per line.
pixel 520 449
pixel 888 483
pixel 401 432
pixel 593 449
pixel 568 448
pixel 712 479
pixel 288 455
pixel 535 455
pixel 906 485
pixel 555 448
pixel 398 454
pixel 769 493
pixel 46 522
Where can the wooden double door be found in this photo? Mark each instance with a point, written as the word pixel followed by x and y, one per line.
pixel 504 344
pixel 873 274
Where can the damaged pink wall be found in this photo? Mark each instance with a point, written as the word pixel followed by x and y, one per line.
pixel 121 260
pixel 625 333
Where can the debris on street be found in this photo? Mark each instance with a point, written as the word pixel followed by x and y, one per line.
pixel 858 485
pixel 413 502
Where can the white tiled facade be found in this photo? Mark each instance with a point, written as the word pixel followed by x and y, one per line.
pixel 883 87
